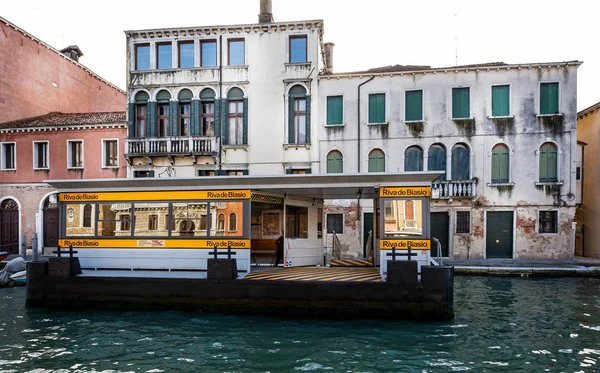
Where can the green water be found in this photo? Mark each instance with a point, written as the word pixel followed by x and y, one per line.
pixel 501 325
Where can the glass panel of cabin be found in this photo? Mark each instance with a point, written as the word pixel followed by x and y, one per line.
pixel 189 219
pixel 114 219
pixel 146 221
pixel 79 219
pixel 403 218
pixel 220 213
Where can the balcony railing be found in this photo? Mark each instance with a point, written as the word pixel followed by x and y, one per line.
pixel 450 189
pixel 171 146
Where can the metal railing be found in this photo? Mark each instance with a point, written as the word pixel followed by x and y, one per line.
pixel 170 145
pixel 439 251
pixel 448 189
pixel 336 249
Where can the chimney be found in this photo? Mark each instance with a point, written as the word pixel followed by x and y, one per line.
pixel 266 12
pixel 72 51
pixel 329 57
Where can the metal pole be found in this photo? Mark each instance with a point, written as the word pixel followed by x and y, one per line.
pixel 23 251
pixel 34 247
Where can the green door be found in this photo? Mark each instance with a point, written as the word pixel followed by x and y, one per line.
pixel 367 226
pixel 499 234
pixel 440 222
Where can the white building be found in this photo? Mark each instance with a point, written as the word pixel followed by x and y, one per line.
pixel 504 133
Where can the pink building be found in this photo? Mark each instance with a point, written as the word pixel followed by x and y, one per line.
pixel 52 146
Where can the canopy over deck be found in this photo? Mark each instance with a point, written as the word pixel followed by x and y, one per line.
pixel 321 186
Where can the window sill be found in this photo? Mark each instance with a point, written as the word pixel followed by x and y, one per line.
pixel 501 117
pixel 548 233
pixel 75 168
pixel 288 146
pixel 42 169
pixel 500 185
pixel 548 183
pixel 462 234
pixel 414 121
pixel 225 147
pixel 462 119
pixel 334 125
pixel 549 115
pixel 378 124
pixel 8 169
pixel 234 66
pixel 299 64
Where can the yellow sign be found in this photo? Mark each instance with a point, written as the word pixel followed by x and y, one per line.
pixel 404 244
pixel 112 243
pixel 405 192
pixel 156 196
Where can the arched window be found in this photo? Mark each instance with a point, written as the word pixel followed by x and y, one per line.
pixel 232 222
pixel 548 163
pixel 461 162
pixel 500 164
pixel 187 227
pixel 235 116
pixel 298 115
pixel 162 100
pixel 184 112
pixel 87 216
pixel 221 223
pixel 335 162
pixel 376 161
pixel 207 112
pixel 436 159
pixel 413 159
pixel 141 110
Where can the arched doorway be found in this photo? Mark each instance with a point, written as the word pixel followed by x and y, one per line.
pixel 9 226
pixel 51 222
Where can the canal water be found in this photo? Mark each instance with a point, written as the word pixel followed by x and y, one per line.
pixel 501 325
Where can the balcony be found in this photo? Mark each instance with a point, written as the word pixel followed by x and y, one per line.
pixel 171 147
pixel 454 189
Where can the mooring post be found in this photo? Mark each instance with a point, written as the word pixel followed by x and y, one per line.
pixel 23 250
pixel 34 247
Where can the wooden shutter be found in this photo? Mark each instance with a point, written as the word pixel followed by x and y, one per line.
pixel 548 163
pixel 195 117
pixel 549 98
pixel 225 121
pixel 152 119
pixel 413 159
pixel 460 163
pixel 500 164
pixel 414 105
pixel 500 100
pixel 334 110
pixel 377 108
pixel 291 132
pixel 245 122
pixel 460 103
pixel 131 120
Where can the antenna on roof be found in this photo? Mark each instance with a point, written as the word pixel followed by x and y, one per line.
pixel 455 39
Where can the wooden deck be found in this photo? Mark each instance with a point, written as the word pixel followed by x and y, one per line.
pixel 338 274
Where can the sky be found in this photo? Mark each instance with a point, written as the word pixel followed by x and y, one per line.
pixel 366 34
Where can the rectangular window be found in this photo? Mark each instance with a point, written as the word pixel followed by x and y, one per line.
pixel 578 173
pixel 152 222
pixel 184 118
pixel 164 56
pixel 140 120
pixel 163 120
pixel 548 221
pixel 296 222
pixel 111 153
pixel 298 48
pixel 549 98
pixel 377 108
pixel 236 122
pixel 235 55
pixel 143 173
pixel 186 54
pixel 335 223
pixel 413 101
pixel 463 222
pixel 9 155
pixel 335 110
pixel 125 223
pixel 300 120
pixel 75 154
pixel 461 108
pixel 206 173
pixel 234 172
pixel 208 119
pixel 142 57
pixel 208 53
pixel 500 100
pixel 40 155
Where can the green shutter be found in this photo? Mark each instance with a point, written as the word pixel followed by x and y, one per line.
pixel 335 163
pixel 195 114
pixel 460 163
pixel 308 171
pixel 174 118
pixel 376 161
pixel 307 119
pixel 460 103
pixel 245 122
pixel 152 119
pixel 225 121
pixel 377 108
pixel 291 137
pixel 245 172
pixel 549 98
pixel 131 119
pixel 500 164
pixel 288 171
pixel 413 159
pixel 548 163
pixel 218 116
pixel 414 105
pixel 500 101
pixel 335 109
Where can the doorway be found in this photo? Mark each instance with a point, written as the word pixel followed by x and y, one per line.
pixel 367 227
pixel 9 226
pixel 499 235
pixel 50 224
pixel 440 226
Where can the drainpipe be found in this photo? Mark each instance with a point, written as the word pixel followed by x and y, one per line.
pixel 358 118
pixel 220 103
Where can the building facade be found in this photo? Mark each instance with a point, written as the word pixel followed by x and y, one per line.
pixel 588 212
pixel 37 79
pixel 55 146
pixel 505 136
